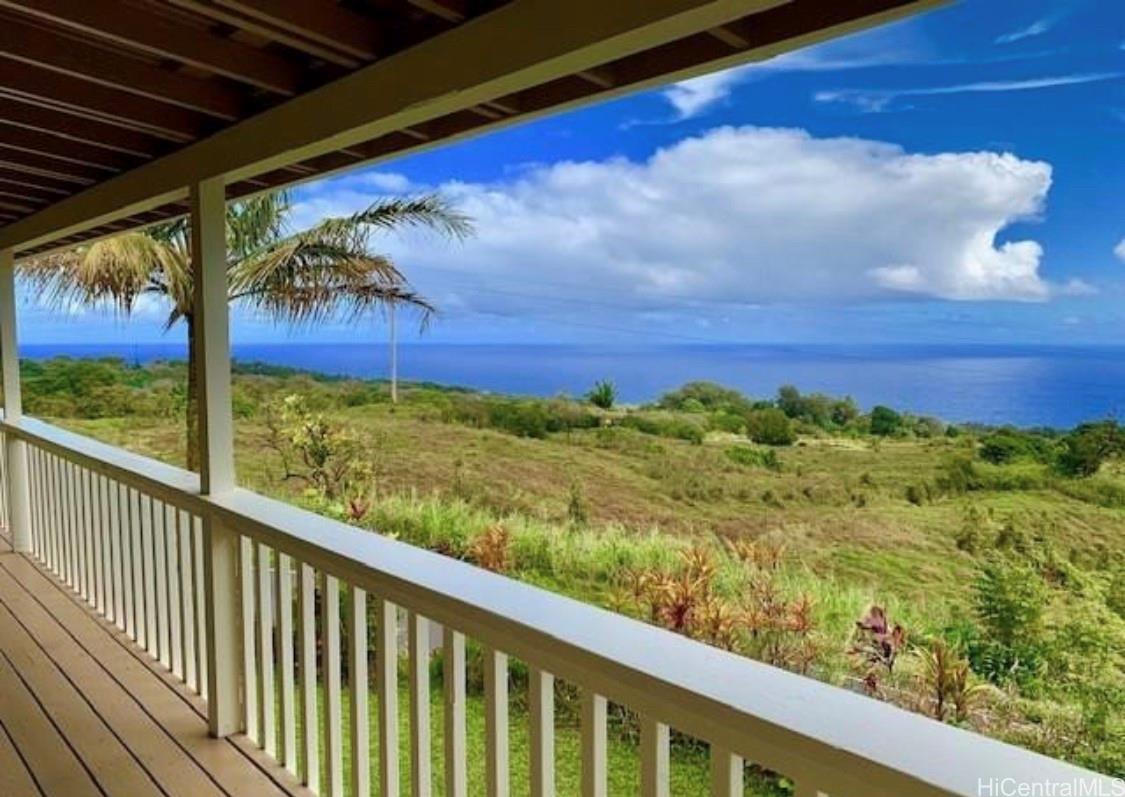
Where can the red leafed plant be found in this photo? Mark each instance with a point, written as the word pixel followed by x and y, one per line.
pixel 877 643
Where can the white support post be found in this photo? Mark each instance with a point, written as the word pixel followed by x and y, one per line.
pixel 16 479
pixel 216 453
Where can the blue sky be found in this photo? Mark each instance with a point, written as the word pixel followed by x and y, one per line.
pixel 955 177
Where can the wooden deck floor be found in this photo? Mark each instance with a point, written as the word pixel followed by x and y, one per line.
pixel 84 712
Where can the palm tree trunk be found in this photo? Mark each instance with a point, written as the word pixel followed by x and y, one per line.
pixel 192 442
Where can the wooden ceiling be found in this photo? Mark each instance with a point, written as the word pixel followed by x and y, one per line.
pixel 91 89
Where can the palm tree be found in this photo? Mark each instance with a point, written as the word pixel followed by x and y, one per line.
pixel 298 278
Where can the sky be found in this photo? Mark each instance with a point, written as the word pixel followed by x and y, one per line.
pixel 956 177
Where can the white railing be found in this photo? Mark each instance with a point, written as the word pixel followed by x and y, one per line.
pixel 125 533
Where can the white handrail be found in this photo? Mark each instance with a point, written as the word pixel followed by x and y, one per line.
pixel 846 743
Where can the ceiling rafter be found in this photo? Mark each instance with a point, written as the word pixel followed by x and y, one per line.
pixel 323 22
pixel 64 149
pixel 75 128
pixel 31 44
pixel 154 33
pixel 22 195
pixel 42 166
pixel 83 98
pixel 449 10
pixel 43 185
pixel 208 10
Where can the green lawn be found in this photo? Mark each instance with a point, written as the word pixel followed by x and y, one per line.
pixel 689 773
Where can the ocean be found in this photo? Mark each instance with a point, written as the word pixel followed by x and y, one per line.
pixel 1023 385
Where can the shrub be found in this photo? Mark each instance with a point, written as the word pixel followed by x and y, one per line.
pixel 603 394
pixel 576 505
pixel 323 454
pixel 491 549
pixel 1097 490
pixel 705 396
pixel 1088 446
pixel 948 681
pixel 754 457
pixel 1115 595
pixel 1008 445
pixel 675 428
pixel 770 427
pixel 727 421
pixel 918 493
pixel 970 537
pixel 876 643
pixel 1009 598
pixel 885 421
pixel 534 418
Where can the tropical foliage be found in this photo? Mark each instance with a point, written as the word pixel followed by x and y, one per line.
pixel 294 277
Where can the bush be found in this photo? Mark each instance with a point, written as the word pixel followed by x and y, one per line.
pixel 697 396
pixel 770 427
pixel 662 426
pixel 754 457
pixel 727 421
pixel 1088 446
pixel 521 417
pixel 603 394
pixel 918 494
pixel 1009 445
pixel 1009 598
pixel 885 421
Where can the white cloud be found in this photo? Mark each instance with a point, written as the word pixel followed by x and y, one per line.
pixel 1077 287
pixel 738 216
pixel 1119 250
pixel 875 100
pixel 692 97
pixel 1036 28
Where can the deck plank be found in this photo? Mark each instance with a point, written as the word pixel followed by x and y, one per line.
pixel 14 776
pixel 56 768
pixel 175 712
pixel 108 760
pixel 126 751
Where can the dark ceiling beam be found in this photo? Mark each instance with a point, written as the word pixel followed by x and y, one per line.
pixel 17 207
pixel 600 76
pixel 21 195
pixel 75 128
pixel 35 45
pixel 33 183
pixel 64 149
pixel 100 102
pixel 154 33
pixel 449 10
pixel 321 21
pixel 207 9
pixel 729 38
pixel 30 163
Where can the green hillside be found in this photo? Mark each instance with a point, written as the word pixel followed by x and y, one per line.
pixel 1000 553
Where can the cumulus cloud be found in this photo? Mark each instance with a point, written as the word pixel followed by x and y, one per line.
pixel 742 216
pixel 1119 250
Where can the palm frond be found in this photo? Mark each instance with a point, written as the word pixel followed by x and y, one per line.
pixel 329 270
pixel 430 211
pixel 254 222
pixel 318 274
pixel 111 272
pixel 305 277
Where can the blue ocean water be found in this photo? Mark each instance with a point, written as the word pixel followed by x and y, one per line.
pixel 1023 385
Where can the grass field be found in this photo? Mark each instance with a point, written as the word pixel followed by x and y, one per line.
pixel 589 498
